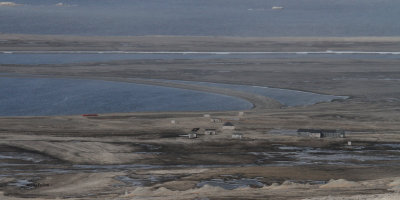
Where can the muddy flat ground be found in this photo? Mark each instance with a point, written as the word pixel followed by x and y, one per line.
pixel 142 156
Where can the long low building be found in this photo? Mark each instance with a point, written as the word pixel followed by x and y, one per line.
pixel 321 133
pixel 228 126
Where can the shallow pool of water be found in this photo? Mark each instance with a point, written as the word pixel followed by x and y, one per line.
pixel 231 184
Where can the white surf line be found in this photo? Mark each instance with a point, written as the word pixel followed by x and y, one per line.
pixel 204 53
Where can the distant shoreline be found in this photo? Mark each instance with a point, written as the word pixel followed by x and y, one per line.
pixel 202 52
pixel 19 42
pixel 117 37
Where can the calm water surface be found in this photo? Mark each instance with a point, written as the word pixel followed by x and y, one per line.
pixel 48 96
pixel 67 58
pixel 53 96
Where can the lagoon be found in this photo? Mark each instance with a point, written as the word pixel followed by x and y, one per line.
pixel 21 96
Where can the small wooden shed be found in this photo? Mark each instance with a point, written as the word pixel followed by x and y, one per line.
pixel 210 131
pixel 237 136
pixel 215 120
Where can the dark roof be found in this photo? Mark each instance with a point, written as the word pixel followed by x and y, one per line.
pixel 210 129
pixel 228 124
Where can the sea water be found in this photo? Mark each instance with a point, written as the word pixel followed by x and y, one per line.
pixel 243 18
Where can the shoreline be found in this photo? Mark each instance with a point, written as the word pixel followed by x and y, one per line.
pixel 20 42
pixel 94 37
pixel 205 52
pixel 257 101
